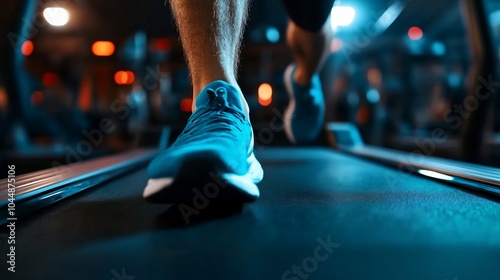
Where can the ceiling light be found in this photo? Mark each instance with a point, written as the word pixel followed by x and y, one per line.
pixel 56 16
pixel 342 16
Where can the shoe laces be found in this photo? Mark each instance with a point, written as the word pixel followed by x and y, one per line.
pixel 216 116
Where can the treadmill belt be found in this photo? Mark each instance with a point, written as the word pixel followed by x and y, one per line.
pixel 368 221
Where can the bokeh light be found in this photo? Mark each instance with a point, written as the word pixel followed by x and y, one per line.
pixel 272 34
pixel 49 79
pixel 265 93
pixel 27 48
pixel 124 77
pixel 103 48
pixel 415 33
pixel 374 77
pixel 37 98
pixel 187 105
pixel 56 16
pixel 4 100
pixel 336 45
pixel 342 16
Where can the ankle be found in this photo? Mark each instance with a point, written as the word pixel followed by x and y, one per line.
pixel 200 83
pixel 200 86
pixel 302 77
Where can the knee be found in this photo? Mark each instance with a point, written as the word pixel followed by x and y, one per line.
pixel 302 40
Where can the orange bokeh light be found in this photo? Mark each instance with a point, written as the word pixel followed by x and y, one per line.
pixel 363 114
pixel 103 48
pixel 27 48
pixel 37 98
pixel 374 76
pixel 4 100
pixel 49 79
pixel 162 44
pixel 124 77
pixel 85 97
pixel 265 94
pixel 186 105
pixel 265 103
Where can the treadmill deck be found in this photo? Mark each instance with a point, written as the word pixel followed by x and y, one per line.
pixel 381 224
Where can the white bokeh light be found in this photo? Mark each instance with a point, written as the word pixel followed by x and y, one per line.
pixel 56 16
pixel 342 16
pixel 434 174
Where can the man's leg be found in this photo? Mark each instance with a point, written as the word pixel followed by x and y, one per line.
pixel 211 32
pixel 308 35
pixel 213 156
pixel 309 50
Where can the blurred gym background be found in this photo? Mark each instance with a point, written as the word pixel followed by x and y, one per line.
pixel 85 78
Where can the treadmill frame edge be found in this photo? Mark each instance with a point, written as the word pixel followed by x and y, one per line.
pixel 480 178
pixel 45 187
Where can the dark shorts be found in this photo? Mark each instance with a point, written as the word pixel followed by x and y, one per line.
pixel 309 14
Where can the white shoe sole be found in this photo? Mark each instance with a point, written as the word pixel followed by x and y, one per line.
pixel 291 104
pixel 197 178
pixel 289 112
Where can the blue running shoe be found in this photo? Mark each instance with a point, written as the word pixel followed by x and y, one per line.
pixel 305 113
pixel 213 156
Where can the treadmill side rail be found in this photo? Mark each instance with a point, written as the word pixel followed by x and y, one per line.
pixel 474 176
pixel 42 188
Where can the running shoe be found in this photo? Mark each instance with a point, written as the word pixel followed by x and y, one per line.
pixel 213 156
pixel 305 113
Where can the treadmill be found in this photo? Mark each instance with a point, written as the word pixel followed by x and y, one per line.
pixel 343 211
pixel 372 220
